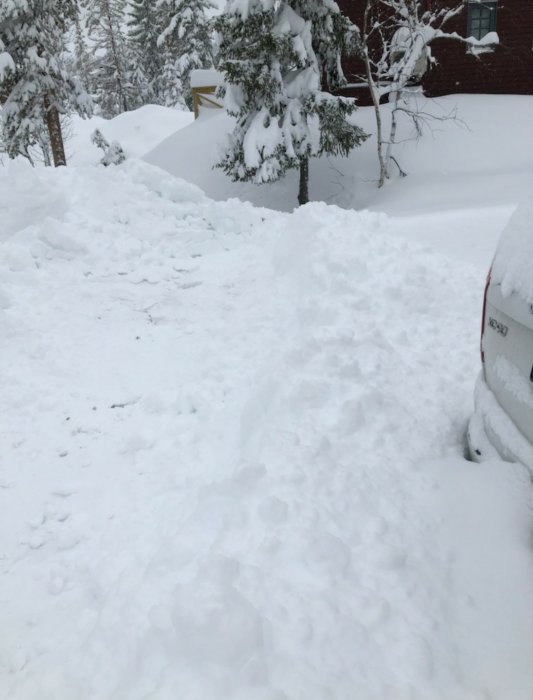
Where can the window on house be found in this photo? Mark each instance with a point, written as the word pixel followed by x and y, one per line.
pixel 481 17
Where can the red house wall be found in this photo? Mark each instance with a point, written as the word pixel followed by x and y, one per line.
pixel 506 70
pixel 354 69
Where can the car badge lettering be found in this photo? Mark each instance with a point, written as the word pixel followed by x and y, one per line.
pixel 498 327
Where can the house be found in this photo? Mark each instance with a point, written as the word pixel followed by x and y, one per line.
pixel 503 66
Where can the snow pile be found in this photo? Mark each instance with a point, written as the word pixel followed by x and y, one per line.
pixel 138 132
pixel 217 424
pixel 458 164
pixel 25 200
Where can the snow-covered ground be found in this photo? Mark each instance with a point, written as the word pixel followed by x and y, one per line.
pixel 138 132
pixel 232 441
pixel 481 157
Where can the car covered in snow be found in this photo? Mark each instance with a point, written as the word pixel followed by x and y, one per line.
pixel 502 424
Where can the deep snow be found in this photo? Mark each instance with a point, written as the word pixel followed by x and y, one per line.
pixel 232 438
pixel 480 158
pixel 138 132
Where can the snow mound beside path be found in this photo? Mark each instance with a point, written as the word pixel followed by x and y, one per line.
pixel 216 426
pixel 138 131
pixel 450 167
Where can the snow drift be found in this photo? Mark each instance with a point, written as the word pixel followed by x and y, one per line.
pixel 137 131
pixel 217 426
pixel 459 163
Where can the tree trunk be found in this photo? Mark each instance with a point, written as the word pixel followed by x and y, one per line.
pixel 393 127
pixel 374 93
pixel 303 194
pixel 53 125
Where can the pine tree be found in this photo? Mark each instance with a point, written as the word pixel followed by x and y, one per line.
pixel 81 59
pixel 35 87
pixel 187 44
pixel 111 71
pixel 274 56
pixel 145 25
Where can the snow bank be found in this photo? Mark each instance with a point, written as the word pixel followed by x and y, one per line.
pixel 217 423
pixel 458 164
pixel 138 132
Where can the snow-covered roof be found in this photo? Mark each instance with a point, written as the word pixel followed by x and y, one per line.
pixel 206 78
pixel 514 256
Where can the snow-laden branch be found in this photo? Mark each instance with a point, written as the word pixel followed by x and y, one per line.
pixel 396 49
pixel 7 64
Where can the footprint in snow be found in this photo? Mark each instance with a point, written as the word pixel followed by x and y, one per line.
pixel 68 540
pixel 36 541
pixel 56 585
pixel 64 491
pixel 51 515
pixel 54 512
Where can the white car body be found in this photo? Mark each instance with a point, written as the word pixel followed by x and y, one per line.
pixel 502 424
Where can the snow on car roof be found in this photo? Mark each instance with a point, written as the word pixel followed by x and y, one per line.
pixel 513 262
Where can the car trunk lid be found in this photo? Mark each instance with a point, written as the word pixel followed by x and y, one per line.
pixel 507 350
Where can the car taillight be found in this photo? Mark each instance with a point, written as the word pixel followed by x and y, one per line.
pixel 483 315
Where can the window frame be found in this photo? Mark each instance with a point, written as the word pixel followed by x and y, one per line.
pixel 475 11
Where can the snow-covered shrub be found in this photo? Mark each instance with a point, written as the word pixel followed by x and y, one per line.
pixel 113 152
